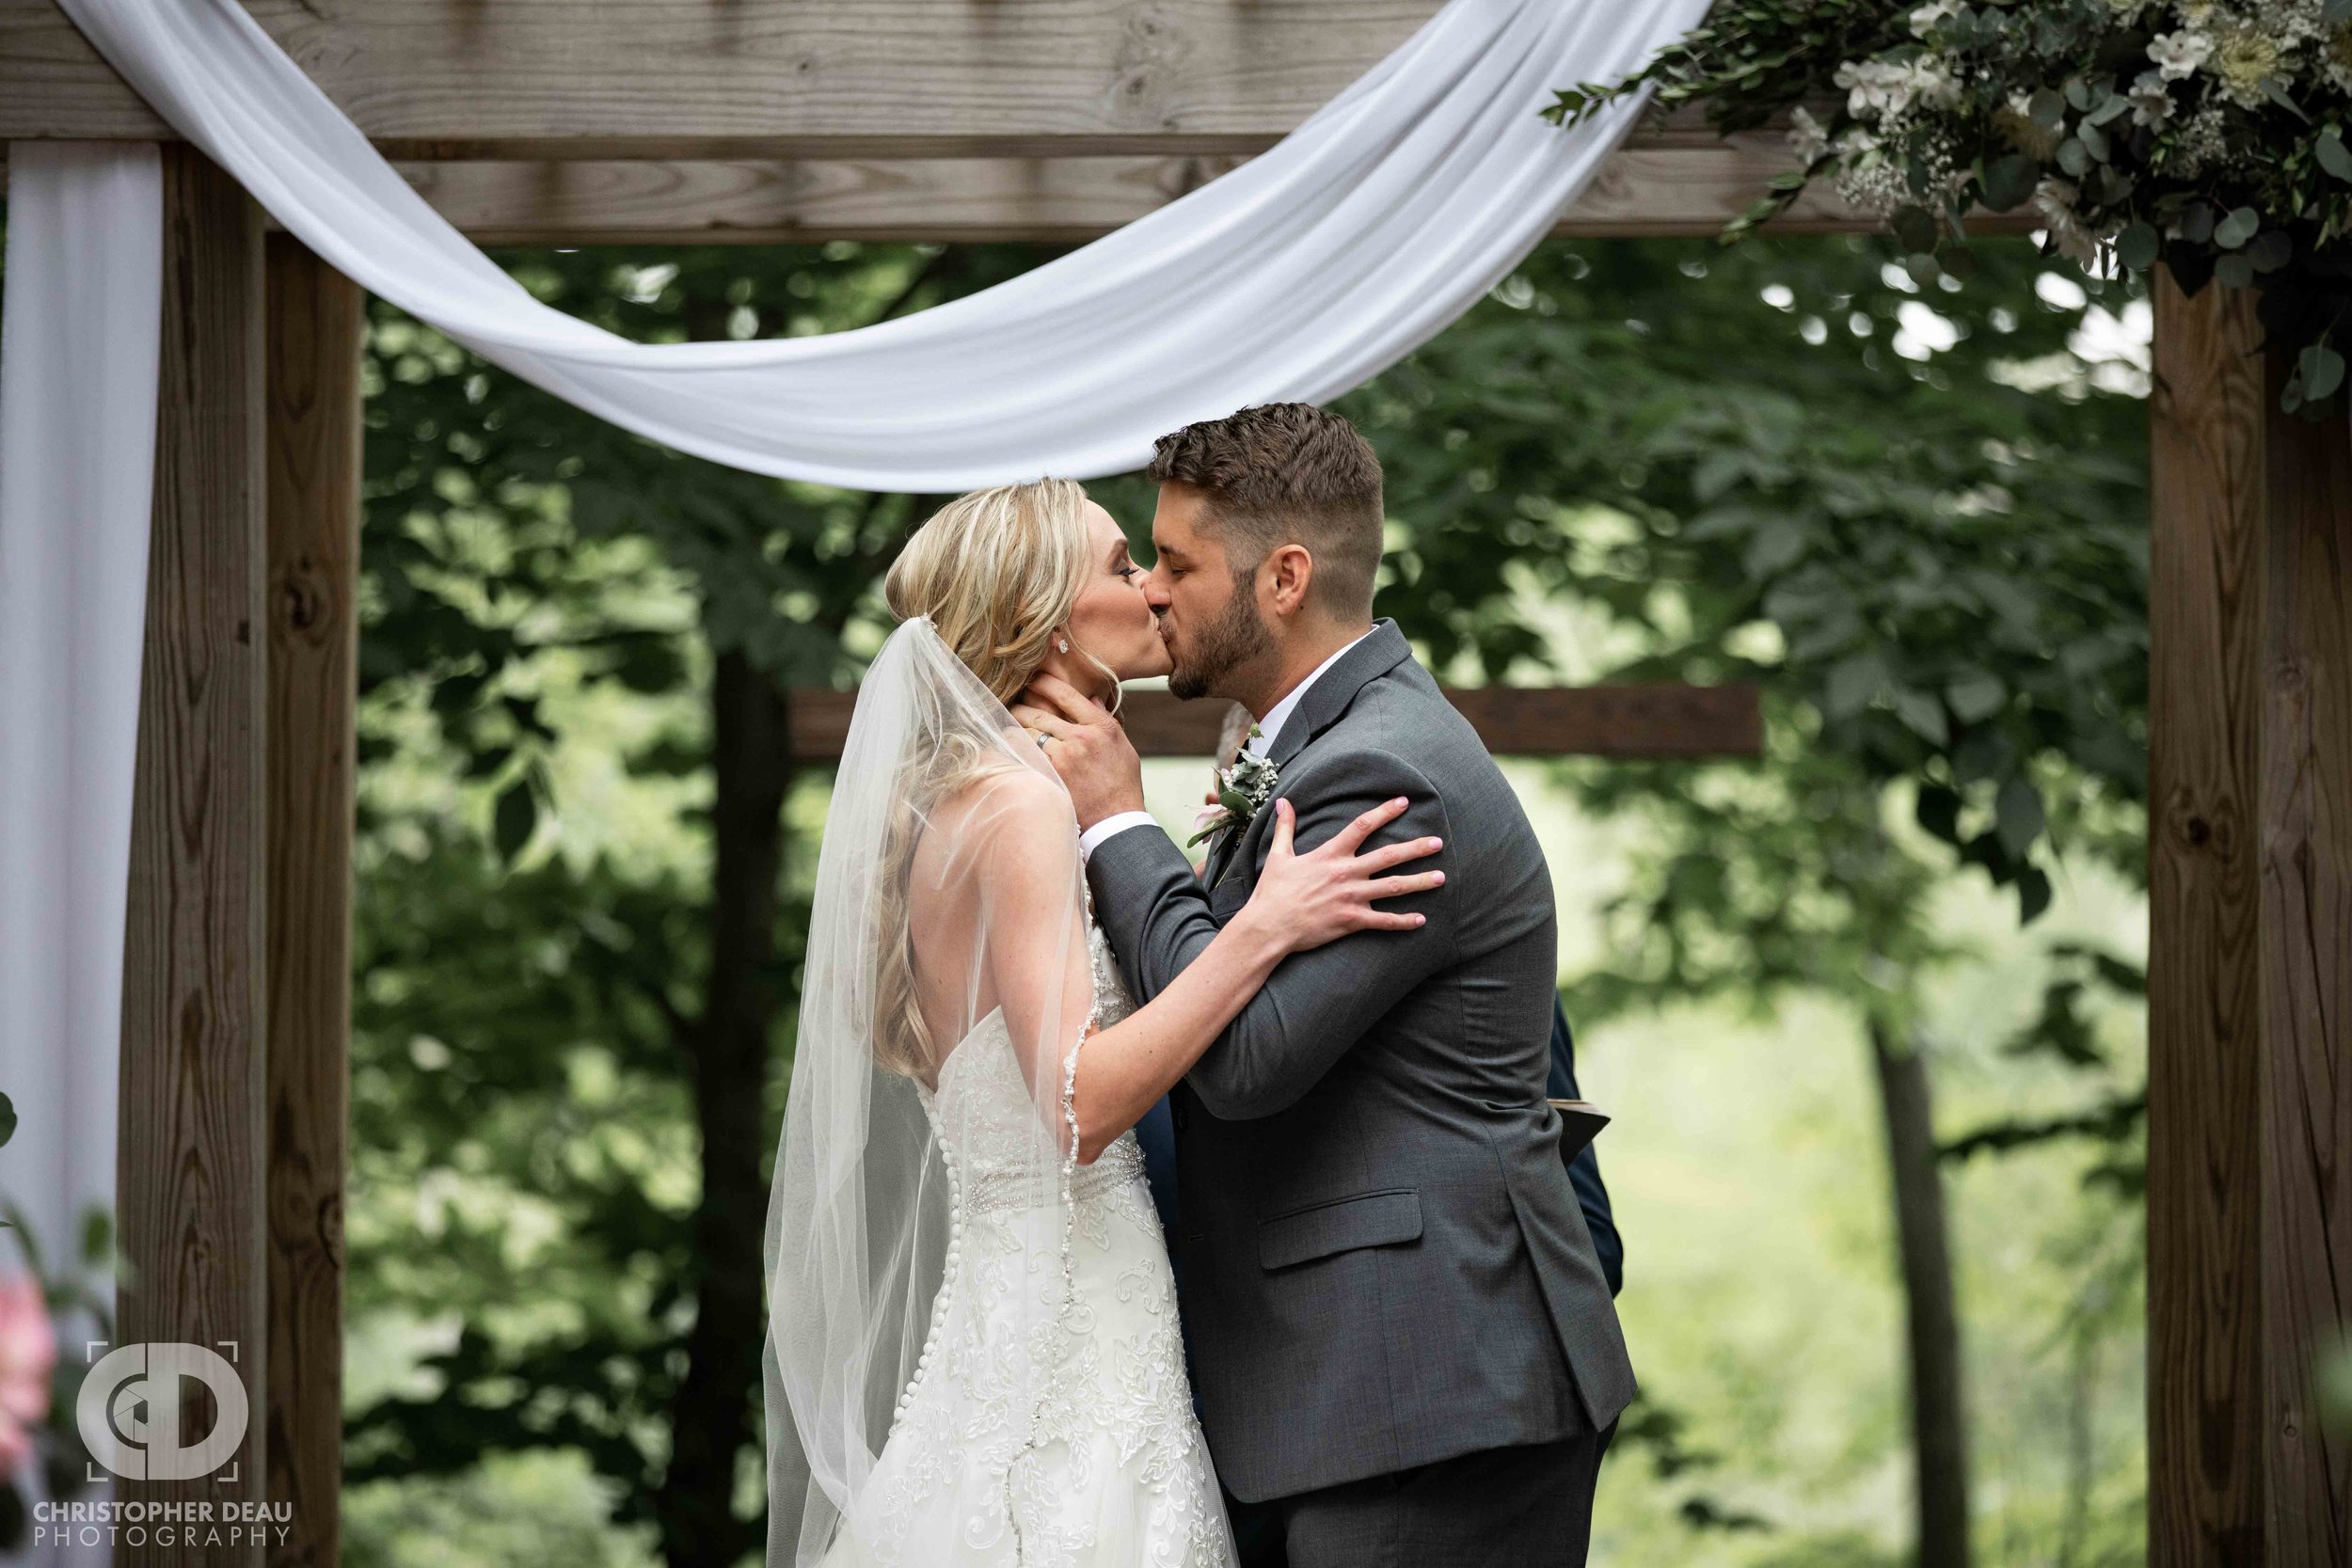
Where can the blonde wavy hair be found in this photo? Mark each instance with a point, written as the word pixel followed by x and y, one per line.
pixel 997 571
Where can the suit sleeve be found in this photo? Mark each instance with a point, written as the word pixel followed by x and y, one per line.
pixel 1317 1004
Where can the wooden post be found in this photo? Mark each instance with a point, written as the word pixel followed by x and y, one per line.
pixel 2249 1157
pixel 190 1167
pixel 316 317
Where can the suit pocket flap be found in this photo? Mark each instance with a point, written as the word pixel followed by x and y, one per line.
pixel 1367 1219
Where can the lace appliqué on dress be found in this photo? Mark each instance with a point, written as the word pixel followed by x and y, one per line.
pixel 1049 1421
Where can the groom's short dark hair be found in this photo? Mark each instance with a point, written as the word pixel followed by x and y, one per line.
pixel 1287 473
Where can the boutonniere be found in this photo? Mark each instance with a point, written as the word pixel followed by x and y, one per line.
pixel 1242 792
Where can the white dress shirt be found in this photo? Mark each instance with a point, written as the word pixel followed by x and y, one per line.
pixel 1269 728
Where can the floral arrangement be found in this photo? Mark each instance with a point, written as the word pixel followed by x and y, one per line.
pixel 2206 135
pixel 1242 792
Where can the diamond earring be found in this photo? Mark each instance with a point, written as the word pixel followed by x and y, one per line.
pixel 1063 643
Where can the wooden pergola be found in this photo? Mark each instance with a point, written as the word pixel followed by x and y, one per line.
pixel 593 122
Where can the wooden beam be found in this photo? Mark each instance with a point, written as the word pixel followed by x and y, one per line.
pixel 1581 721
pixel 2249 1157
pixel 190 1168
pixel 2306 839
pixel 1642 190
pixel 686 78
pixel 316 319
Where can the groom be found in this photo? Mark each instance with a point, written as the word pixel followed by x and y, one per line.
pixel 1404 1345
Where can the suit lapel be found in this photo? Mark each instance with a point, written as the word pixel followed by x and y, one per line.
pixel 1380 652
pixel 1221 855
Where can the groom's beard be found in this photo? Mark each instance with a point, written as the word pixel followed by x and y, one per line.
pixel 1238 635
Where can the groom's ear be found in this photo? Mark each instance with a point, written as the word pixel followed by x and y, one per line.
pixel 1287 573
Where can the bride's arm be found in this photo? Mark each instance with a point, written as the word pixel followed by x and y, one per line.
pixel 1300 901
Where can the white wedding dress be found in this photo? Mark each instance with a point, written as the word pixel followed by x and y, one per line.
pixel 1112 1472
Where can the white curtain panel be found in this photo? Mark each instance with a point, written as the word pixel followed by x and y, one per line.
pixel 1299 275
pixel 79 331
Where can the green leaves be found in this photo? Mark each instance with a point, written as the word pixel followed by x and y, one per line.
pixel 2008 181
pixel 2019 814
pixel 2318 372
pixel 2233 231
pixel 515 819
pixel 1914 228
pixel 2330 151
pixel 8 1119
pixel 2058 103
pixel 1974 695
pixel 2137 246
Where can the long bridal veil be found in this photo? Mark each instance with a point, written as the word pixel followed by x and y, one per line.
pixel 946 942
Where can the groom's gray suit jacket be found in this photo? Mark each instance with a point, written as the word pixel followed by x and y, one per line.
pixel 1384 1262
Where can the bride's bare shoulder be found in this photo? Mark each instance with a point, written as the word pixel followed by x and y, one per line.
pixel 1007 803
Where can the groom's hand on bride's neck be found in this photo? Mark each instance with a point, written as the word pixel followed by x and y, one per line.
pixel 1088 748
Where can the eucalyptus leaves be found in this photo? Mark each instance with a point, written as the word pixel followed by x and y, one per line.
pixel 2207 134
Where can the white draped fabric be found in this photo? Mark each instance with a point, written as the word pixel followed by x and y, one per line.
pixel 81 318
pixel 1299 277
pixel 79 331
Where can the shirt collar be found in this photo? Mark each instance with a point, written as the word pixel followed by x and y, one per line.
pixel 1271 725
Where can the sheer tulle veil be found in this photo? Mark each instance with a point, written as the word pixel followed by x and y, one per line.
pixel 942 804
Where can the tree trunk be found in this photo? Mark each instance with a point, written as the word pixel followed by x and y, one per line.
pixel 710 1415
pixel 1938 1422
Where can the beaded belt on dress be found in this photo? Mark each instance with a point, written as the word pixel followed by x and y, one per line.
pixel 986 1191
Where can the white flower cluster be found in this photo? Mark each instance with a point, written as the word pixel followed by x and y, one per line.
pixel 2242 50
pixel 1242 792
pixel 1888 89
pixel 1907 110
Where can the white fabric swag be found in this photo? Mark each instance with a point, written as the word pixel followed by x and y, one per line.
pixel 1303 274
pixel 1299 275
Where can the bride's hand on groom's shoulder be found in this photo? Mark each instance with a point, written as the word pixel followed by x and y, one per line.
pixel 1308 900
pixel 1087 746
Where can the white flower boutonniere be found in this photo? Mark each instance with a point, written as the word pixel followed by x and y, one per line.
pixel 1242 792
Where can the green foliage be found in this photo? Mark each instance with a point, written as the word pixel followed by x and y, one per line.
pixel 1938 575
pixel 2207 134
pixel 504 523
pixel 514 1070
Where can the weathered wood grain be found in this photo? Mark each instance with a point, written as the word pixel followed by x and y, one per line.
pixel 688 78
pixel 1587 720
pixel 2249 1161
pixel 2306 868
pixel 316 318
pixel 2205 1007
pixel 191 1089
pixel 1640 191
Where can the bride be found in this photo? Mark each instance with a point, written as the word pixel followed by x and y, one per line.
pixel 973 1355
